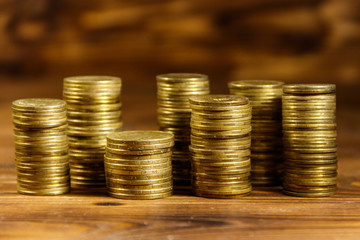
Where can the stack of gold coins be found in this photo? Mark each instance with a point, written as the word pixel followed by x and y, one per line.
pixel 138 164
pixel 310 150
pixel 174 113
pixel 266 134
pixel 220 145
pixel 41 146
pixel 93 110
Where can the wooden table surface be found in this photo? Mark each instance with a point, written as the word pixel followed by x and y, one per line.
pixel 265 214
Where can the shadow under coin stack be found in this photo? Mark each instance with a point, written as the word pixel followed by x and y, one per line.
pixel 174 113
pixel 138 164
pixel 309 128
pixel 93 110
pixel 41 146
pixel 220 145
pixel 266 132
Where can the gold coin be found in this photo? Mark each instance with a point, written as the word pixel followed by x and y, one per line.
pixel 182 77
pixel 311 183
pixel 45 192
pixel 239 128
pixel 308 89
pixel 92 80
pixel 139 182
pixel 139 187
pixel 39 105
pixel 222 116
pixel 138 152
pixel 140 137
pixel 140 191
pixel 307 194
pixel 200 194
pixel 328 167
pixel 140 197
pixel 139 147
pixel 310 98
pixel 312 161
pixel 218 100
pixel 140 172
pixel 109 166
pixel 137 162
pixel 44 124
pixel 301 188
pixel 308 171
pixel 141 176
pixel 242 109
pixel 221 134
pixel 255 84
pixel 139 157
pixel 240 192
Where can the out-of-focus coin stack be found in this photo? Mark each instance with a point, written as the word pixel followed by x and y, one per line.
pixel 174 114
pixel 138 164
pixel 309 128
pixel 220 145
pixel 93 110
pixel 41 146
pixel 266 134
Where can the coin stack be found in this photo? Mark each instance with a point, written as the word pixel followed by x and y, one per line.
pixel 309 128
pixel 174 113
pixel 138 164
pixel 41 146
pixel 93 110
pixel 220 145
pixel 266 134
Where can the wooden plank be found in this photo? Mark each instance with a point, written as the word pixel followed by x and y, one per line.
pixel 265 214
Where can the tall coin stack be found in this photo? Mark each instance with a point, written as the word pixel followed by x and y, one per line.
pixel 138 164
pixel 174 113
pixel 93 110
pixel 266 134
pixel 41 146
pixel 220 145
pixel 309 127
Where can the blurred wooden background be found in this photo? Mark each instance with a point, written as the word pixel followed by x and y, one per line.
pixel 42 41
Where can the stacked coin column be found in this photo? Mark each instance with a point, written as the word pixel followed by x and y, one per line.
pixel 174 113
pixel 220 145
pixel 266 134
pixel 94 110
pixel 138 164
pixel 309 127
pixel 41 146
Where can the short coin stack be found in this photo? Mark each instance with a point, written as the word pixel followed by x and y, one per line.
pixel 174 113
pixel 220 145
pixel 41 146
pixel 138 164
pixel 94 110
pixel 309 127
pixel 266 134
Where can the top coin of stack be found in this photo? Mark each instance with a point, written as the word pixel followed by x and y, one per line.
pixel 266 134
pixel 41 146
pixel 94 110
pixel 220 145
pixel 309 128
pixel 138 164
pixel 174 113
